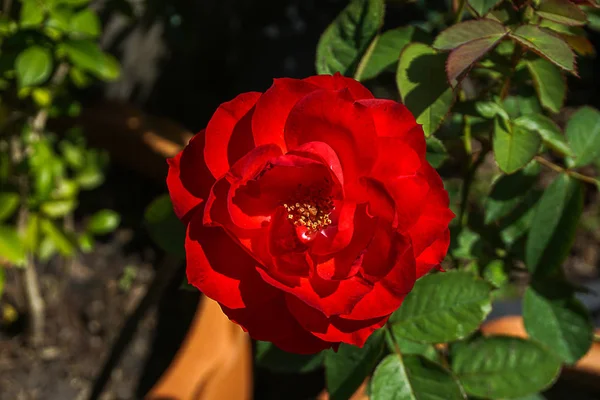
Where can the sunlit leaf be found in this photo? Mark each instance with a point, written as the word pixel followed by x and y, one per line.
pixel 546 44
pixel 33 66
pixel 442 308
pixel 411 377
pixel 344 42
pixel 549 83
pixel 421 79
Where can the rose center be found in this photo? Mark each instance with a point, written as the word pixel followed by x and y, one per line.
pixel 313 213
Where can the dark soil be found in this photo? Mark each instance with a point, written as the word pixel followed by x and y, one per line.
pixel 87 302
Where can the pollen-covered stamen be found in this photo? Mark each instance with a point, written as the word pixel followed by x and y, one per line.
pixel 313 213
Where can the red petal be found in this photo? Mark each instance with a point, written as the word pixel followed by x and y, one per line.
pixel 395 158
pixel 337 235
pixel 243 171
pixel 409 194
pixel 389 292
pixel 391 118
pixel 221 269
pixel 433 255
pixel 273 107
pixel 346 262
pixel 229 134
pixel 322 152
pixel 380 203
pixel 330 297
pixel 273 322
pixel 337 82
pixel 285 179
pixel 432 222
pixel 189 180
pixel 333 329
pixel 347 127
pixel 289 254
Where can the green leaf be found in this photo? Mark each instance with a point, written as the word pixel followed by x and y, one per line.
pixel 406 346
pixel 522 104
pixel 31 14
pixel 583 134
pixel 60 18
pixel 344 42
pixel 593 16
pixel 58 208
pixel 421 79
pixel 436 152
pixel 468 245
pixel 164 227
pixel 33 66
pixel 346 370
pixel 59 238
pixel 9 202
pixel 85 242
pixel 412 377
pixel 546 44
pixel 504 367
pixel 87 56
pixel 85 23
pixel 11 246
pixel 47 249
pixel 547 129
pixel 463 57
pixel 482 7
pixel 272 358
pixel 387 49
pixel 443 307
pixel 89 178
pixel 468 31
pixel 508 192
pixel 490 109
pixel 562 11
pixel 515 225
pixel 43 183
pixel 553 226
pixel 65 189
pixel 103 222
pixel 495 273
pixel 513 146
pixel 549 83
pixel 558 320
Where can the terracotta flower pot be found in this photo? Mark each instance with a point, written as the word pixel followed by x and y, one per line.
pixel 214 361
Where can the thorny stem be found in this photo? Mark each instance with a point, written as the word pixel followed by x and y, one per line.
pixel 549 164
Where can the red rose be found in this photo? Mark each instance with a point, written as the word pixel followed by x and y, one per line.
pixel 311 211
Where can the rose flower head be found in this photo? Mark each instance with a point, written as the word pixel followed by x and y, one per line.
pixel 310 211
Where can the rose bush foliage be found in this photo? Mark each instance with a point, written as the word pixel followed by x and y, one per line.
pixel 311 210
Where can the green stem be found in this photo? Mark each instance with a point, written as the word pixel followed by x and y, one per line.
pixel 514 61
pixel 460 11
pixel 390 339
pixel 469 178
pixel 574 174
